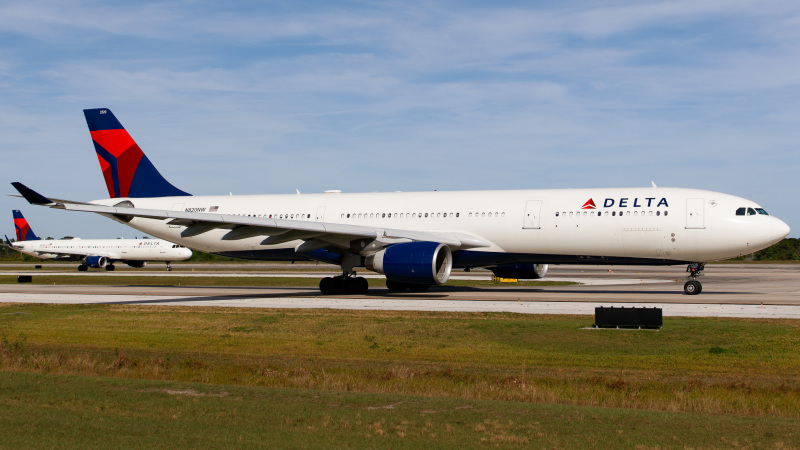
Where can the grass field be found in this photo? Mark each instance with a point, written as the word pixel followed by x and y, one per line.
pixel 224 376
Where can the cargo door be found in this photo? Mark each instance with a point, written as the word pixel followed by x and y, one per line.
pixel 642 242
pixel 695 216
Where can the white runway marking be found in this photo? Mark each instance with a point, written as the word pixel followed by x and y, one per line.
pixel 523 307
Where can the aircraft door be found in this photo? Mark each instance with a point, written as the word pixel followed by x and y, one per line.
pixel 695 215
pixel 320 214
pixel 533 210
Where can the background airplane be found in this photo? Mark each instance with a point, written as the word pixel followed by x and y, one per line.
pixel 417 238
pixel 95 253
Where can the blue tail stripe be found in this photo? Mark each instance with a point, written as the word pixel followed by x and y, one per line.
pixel 101 119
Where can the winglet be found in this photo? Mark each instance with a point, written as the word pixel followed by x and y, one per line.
pixel 8 242
pixel 33 197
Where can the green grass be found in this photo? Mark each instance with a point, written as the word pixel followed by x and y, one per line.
pixel 477 378
pixel 85 412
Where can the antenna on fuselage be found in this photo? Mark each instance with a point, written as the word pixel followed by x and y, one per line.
pixel 654 184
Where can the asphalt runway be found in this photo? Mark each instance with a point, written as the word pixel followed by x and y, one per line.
pixel 729 290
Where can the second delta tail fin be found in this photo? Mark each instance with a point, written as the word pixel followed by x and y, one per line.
pixel 126 169
pixel 24 232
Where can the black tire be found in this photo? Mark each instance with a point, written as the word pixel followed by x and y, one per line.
pixel 361 285
pixel 330 286
pixel 110 267
pixel 83 268
pixel 692 287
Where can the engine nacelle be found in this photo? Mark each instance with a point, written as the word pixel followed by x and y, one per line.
pixel 423 263
pixel 95 262
pixel 520 271
pixel 136 264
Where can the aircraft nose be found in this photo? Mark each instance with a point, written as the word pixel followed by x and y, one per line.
pixel 186 253
pixel 780 229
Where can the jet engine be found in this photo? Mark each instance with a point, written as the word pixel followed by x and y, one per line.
pixel 416 263
pixel 520 271
pixel 95 262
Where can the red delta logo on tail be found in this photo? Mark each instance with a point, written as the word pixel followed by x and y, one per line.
pixel 126 169
pixel 589 205
pixel 23 229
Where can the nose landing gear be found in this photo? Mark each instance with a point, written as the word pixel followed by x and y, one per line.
pixel 692 286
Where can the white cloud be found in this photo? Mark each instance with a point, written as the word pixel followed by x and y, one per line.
pixel 409 96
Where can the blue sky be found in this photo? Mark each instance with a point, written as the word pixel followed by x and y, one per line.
pixel 269 97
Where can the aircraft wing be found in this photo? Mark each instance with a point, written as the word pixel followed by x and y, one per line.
pixel 278 231
pixel 359 238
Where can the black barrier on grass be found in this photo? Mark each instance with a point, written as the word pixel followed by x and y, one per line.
pixel 24 279
pixel 623 317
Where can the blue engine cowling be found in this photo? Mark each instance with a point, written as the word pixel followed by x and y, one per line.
pixel 423 263
pixel 520 271
pixel 95 262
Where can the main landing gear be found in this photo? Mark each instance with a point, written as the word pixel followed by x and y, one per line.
pixel 692 286
pixel 346 283
pixel 110 267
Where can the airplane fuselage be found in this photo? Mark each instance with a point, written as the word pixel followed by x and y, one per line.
pixel 594 226
pixel 112 249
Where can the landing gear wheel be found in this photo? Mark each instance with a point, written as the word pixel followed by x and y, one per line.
pixel 692 287
pixel 343 285
pixel 169 268
pixel 110 267
pixel 330 286
pixel 357 285
pixel 83 268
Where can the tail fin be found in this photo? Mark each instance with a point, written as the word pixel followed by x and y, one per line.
pixel 24 232
pixel 126 169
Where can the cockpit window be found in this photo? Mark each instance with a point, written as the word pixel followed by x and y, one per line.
pixel 750 211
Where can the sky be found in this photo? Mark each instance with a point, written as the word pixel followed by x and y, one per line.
pixel 269 97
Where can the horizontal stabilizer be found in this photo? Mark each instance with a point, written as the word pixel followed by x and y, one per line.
pixel 33 197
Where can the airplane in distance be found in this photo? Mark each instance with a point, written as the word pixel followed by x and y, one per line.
pixel 415 239
pixel 95 253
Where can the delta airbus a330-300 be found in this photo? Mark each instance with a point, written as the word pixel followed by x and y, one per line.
pixel 95 253
pixel 416 238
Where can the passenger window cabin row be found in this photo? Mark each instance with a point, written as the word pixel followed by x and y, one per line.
pixel 610 213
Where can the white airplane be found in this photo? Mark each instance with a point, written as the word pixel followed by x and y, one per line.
pixel 415 239
pixel 95 253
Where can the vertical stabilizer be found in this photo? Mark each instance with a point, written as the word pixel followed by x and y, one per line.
pixel 23 229
pixel 126 169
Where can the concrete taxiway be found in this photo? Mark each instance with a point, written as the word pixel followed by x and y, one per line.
pixel 729 290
